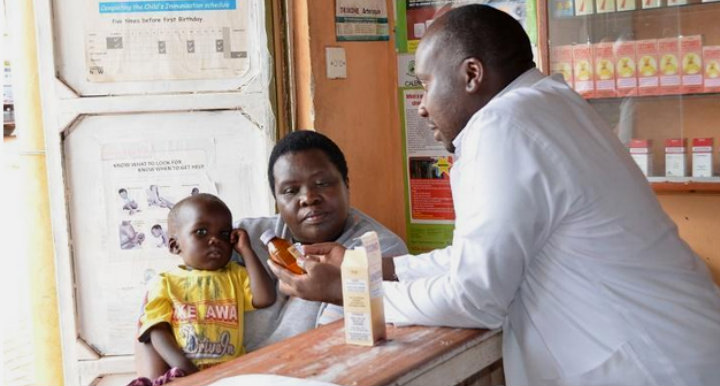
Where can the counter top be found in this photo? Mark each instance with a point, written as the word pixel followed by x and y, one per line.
pixel 410 355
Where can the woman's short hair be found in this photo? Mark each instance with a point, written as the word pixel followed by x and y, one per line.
pixel 303 140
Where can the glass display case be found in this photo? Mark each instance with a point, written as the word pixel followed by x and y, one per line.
pixel 651 68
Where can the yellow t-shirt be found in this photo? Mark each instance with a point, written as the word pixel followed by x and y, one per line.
pixel 204 308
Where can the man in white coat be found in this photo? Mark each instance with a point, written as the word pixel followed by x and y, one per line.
pixel 558 239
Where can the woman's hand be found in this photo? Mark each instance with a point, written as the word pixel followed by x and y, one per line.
pixel 322 281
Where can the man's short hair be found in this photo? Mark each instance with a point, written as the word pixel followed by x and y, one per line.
pixel 486 33
pixel 303 140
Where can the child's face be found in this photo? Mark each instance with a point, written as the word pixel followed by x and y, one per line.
pixel 155 232
pixel 203 236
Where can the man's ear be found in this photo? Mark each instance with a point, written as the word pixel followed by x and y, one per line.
pixel 173 246
pixel 474 72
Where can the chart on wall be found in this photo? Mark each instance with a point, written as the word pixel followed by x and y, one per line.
pixel 429 206
pixel 165 40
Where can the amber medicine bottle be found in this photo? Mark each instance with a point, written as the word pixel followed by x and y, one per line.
pixel 282 252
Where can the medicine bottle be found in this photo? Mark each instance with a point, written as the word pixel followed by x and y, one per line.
pixel 282 252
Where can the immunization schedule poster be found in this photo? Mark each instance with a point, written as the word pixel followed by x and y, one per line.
pixel 165 40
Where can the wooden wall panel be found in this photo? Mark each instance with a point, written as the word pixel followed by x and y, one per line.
pixel 698 220
pixel 360 113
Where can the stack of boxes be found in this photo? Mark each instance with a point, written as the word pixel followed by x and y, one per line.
pixel 569 8
pixel 676 156
pixel 668 66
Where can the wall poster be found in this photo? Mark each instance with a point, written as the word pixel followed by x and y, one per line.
pixel 357 20
pixel 136 40
pixel 415 16
pixel 126 172
pixel 429 206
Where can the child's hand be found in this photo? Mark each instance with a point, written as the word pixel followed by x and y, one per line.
pixel 240 241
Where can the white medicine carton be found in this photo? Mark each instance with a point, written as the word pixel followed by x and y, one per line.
pixel 361 271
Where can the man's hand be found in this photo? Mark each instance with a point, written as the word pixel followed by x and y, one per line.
pixel 331 253
pixel 322 281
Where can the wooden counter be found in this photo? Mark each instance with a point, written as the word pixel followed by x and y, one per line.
pixel 411 355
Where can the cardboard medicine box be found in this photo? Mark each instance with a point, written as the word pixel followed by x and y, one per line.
pixel 604 70
pixel 626 5
pixel 583 70
pixel 641 153
pixel 711 78
pixel 702 157
pixel 692 65
pixel 563 8
pixel 647 67
pixel 669 53
pixel 561 62
pixel 584 7
pixel 361 275
pixel 675 157
pixel 605 6
pixel 625 69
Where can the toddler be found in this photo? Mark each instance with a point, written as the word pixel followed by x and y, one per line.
pixel 193 315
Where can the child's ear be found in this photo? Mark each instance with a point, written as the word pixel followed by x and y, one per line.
pixel 173 246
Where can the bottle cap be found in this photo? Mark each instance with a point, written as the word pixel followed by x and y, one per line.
pixel 268 235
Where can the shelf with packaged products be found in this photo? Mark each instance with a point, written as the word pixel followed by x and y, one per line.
pixel 645 72
pixel 623 10
pixel 691 19
pixel 658 119
pixel 651 98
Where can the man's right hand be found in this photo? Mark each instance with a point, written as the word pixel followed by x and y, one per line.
pixel 322 281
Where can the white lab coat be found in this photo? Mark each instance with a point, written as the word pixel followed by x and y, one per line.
pixel 560 241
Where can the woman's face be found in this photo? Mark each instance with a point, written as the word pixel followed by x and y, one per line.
pixel 311 195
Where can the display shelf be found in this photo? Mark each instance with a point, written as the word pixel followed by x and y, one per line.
pixel 710 185
pixel 650 98
pixel 655 23
pixel 679 106
pixel 692 6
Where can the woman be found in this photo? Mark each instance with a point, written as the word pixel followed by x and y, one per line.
pixel 308 177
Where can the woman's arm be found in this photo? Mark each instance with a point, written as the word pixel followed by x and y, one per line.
pixel 163 341
pixel 263 290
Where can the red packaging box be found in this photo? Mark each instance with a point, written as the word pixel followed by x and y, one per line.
pixel 647 67
pixel 669 52
pixel 711 78
pixel 604 70
pixel 561 62
pixel 692 66
pixel 625 69
pixel 583 70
